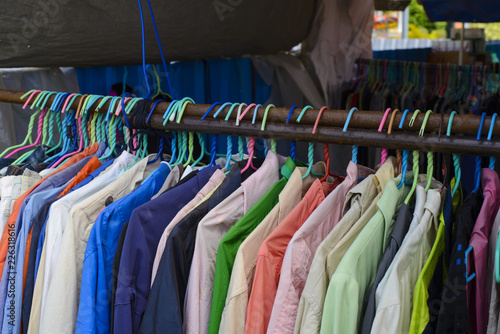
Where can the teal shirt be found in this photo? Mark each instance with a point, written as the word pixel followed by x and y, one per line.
pixel 228 247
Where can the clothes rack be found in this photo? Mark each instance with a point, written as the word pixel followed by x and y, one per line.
pixel 362 129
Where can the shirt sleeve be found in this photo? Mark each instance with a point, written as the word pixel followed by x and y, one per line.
pixel 87 308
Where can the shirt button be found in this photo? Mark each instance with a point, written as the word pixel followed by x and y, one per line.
pixel 108 201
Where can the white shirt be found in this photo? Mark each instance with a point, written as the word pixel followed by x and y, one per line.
pixel 395 305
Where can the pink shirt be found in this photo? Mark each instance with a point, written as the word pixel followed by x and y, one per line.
pixel 271 253
pixel 301 250
pixel 477 259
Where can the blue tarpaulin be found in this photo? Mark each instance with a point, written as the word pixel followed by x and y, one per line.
pixel 462 10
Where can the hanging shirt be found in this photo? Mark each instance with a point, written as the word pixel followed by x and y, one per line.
pixel 234 315
pixel 143 234
pixel 301 249
pixel 210 231
pixel 58 217
pixel 394 308
pixel 30 257
pixel 271 253
pixel 12 304
pixel 11 187
pixel 401 227
pixel 62 298
pixel 55 179
pixel 453 311
pixel 173 180
pixel 216 179
pixel 429 286
pixel 359 207
pixel 164 311
pixel 94 308
pixel 477 297
pixel 230 243
pixel 49 189
pixel 357 269
pixel 492 284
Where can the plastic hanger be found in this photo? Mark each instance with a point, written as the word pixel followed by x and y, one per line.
pixel 229 152
pixel 399 157
pixel 354 158
pixel 59 110
pixel 37 140
pixel 27 139
pixel 383 156
pixel 293 143
pixel 316 123
pixel 490 134
pixel 251 142
pixel 310 150
pixel 416 157
pixel 263 126
pixel 80 134
pixel 430 155
pixel 477 174
pixel 456 158
pixel 404 166
pixel 477 180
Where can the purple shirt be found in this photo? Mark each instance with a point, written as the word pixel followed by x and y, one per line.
pixel 477 259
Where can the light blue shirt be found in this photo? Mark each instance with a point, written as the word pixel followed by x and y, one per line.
pixel 94 313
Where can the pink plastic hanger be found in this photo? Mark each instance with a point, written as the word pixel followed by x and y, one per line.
pixel 383 156
pixel 38 138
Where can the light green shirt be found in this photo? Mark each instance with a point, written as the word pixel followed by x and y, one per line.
pixel 356 272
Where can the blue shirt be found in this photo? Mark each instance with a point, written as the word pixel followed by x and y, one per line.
pixel 94 174
pixel 94 314
pixel 139 249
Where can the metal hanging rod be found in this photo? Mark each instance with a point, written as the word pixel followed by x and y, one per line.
pixel 361 131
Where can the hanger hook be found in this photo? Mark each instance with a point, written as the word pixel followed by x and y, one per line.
pixel 316 123
pixel 391 121
pixel 202 117
pixel 354 147
pixel 414 117
pixel 185 101
pixel 290 113
pixel 255 112
pixel 239 113
pixel 302 113
pixel 384 118
pixel 264 119
pixel 221 108
pixel 424 123
pixel 250 106
pixel 226 119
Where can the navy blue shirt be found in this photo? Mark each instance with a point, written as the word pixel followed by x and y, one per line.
pixel 164 311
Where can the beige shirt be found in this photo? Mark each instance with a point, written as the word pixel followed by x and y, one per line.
pixel 358 209
pixel 212 184
pixel 395 305
pixel 61 308
pixel 210 231
pixel 235 309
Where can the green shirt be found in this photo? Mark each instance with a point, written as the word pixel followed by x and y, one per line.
pixel 228 247
pixel 356 271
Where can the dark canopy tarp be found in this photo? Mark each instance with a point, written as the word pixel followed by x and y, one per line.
pixel 462 10
pixel 99 33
